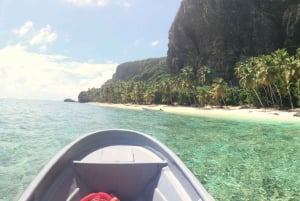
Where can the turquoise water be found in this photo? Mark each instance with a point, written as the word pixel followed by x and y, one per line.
pixel 233 159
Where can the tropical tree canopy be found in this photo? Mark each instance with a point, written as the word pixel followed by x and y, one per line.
pixel 265 81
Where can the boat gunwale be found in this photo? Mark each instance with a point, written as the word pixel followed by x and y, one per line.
pixel 172 159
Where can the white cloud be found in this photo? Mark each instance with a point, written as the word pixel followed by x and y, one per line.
pixel 44 36
pixel 89 2
pixel 126 4
pixel 41 38
pixel 43 48
pixel 80 2
pixel 40 76
pixel 155 43
pixel 23 30
pixel 100 3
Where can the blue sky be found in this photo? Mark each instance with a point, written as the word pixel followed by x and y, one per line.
pixel 53 49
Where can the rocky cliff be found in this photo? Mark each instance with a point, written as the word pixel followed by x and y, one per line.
pixel 148 69
pixel 218 33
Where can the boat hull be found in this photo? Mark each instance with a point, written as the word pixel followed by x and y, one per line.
pixel 129 164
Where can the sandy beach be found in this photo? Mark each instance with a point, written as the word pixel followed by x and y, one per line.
pixel 226 112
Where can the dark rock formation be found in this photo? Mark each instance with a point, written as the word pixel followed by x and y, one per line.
pixel 219 33
pixel 149 69
pixel 291 23
pixel 84 97
pixel 69 100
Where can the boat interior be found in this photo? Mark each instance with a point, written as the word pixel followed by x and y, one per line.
pixel 130 165
pixel 131 173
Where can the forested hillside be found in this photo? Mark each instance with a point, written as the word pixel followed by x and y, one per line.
pixel 227 52
pixel 148 69
pixel 266 81
pixel 218 34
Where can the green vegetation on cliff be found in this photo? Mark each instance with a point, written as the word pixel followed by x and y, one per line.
pixel 266 81
pixel 275 78
pixel 149 69
pixel 213 47
pixel 218 34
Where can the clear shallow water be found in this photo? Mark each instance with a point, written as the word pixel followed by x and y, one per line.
pixel 233 159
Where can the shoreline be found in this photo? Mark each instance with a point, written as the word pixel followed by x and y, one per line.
pixel 228 112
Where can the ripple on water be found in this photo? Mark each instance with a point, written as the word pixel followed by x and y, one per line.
pixel 235 160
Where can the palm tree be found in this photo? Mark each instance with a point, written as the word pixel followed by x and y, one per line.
pixel 107 92
pixel 188 86
pixel 297 85
pixel 125 91
pixel 149 94
pixel 166 85
pixel 218 90
pixel 267 75
pixel 203 95
pixel 288 70
pixel 204 75
pixel 246 72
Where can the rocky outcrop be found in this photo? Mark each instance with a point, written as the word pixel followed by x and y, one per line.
pixel 84 97
pixel 291 23
pixel 219 33
pixel 149 69
pixel 69 100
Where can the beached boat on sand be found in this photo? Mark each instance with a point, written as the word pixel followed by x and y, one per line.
pixel 131 165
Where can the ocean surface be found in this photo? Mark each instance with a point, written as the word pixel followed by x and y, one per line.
pixel 233 159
